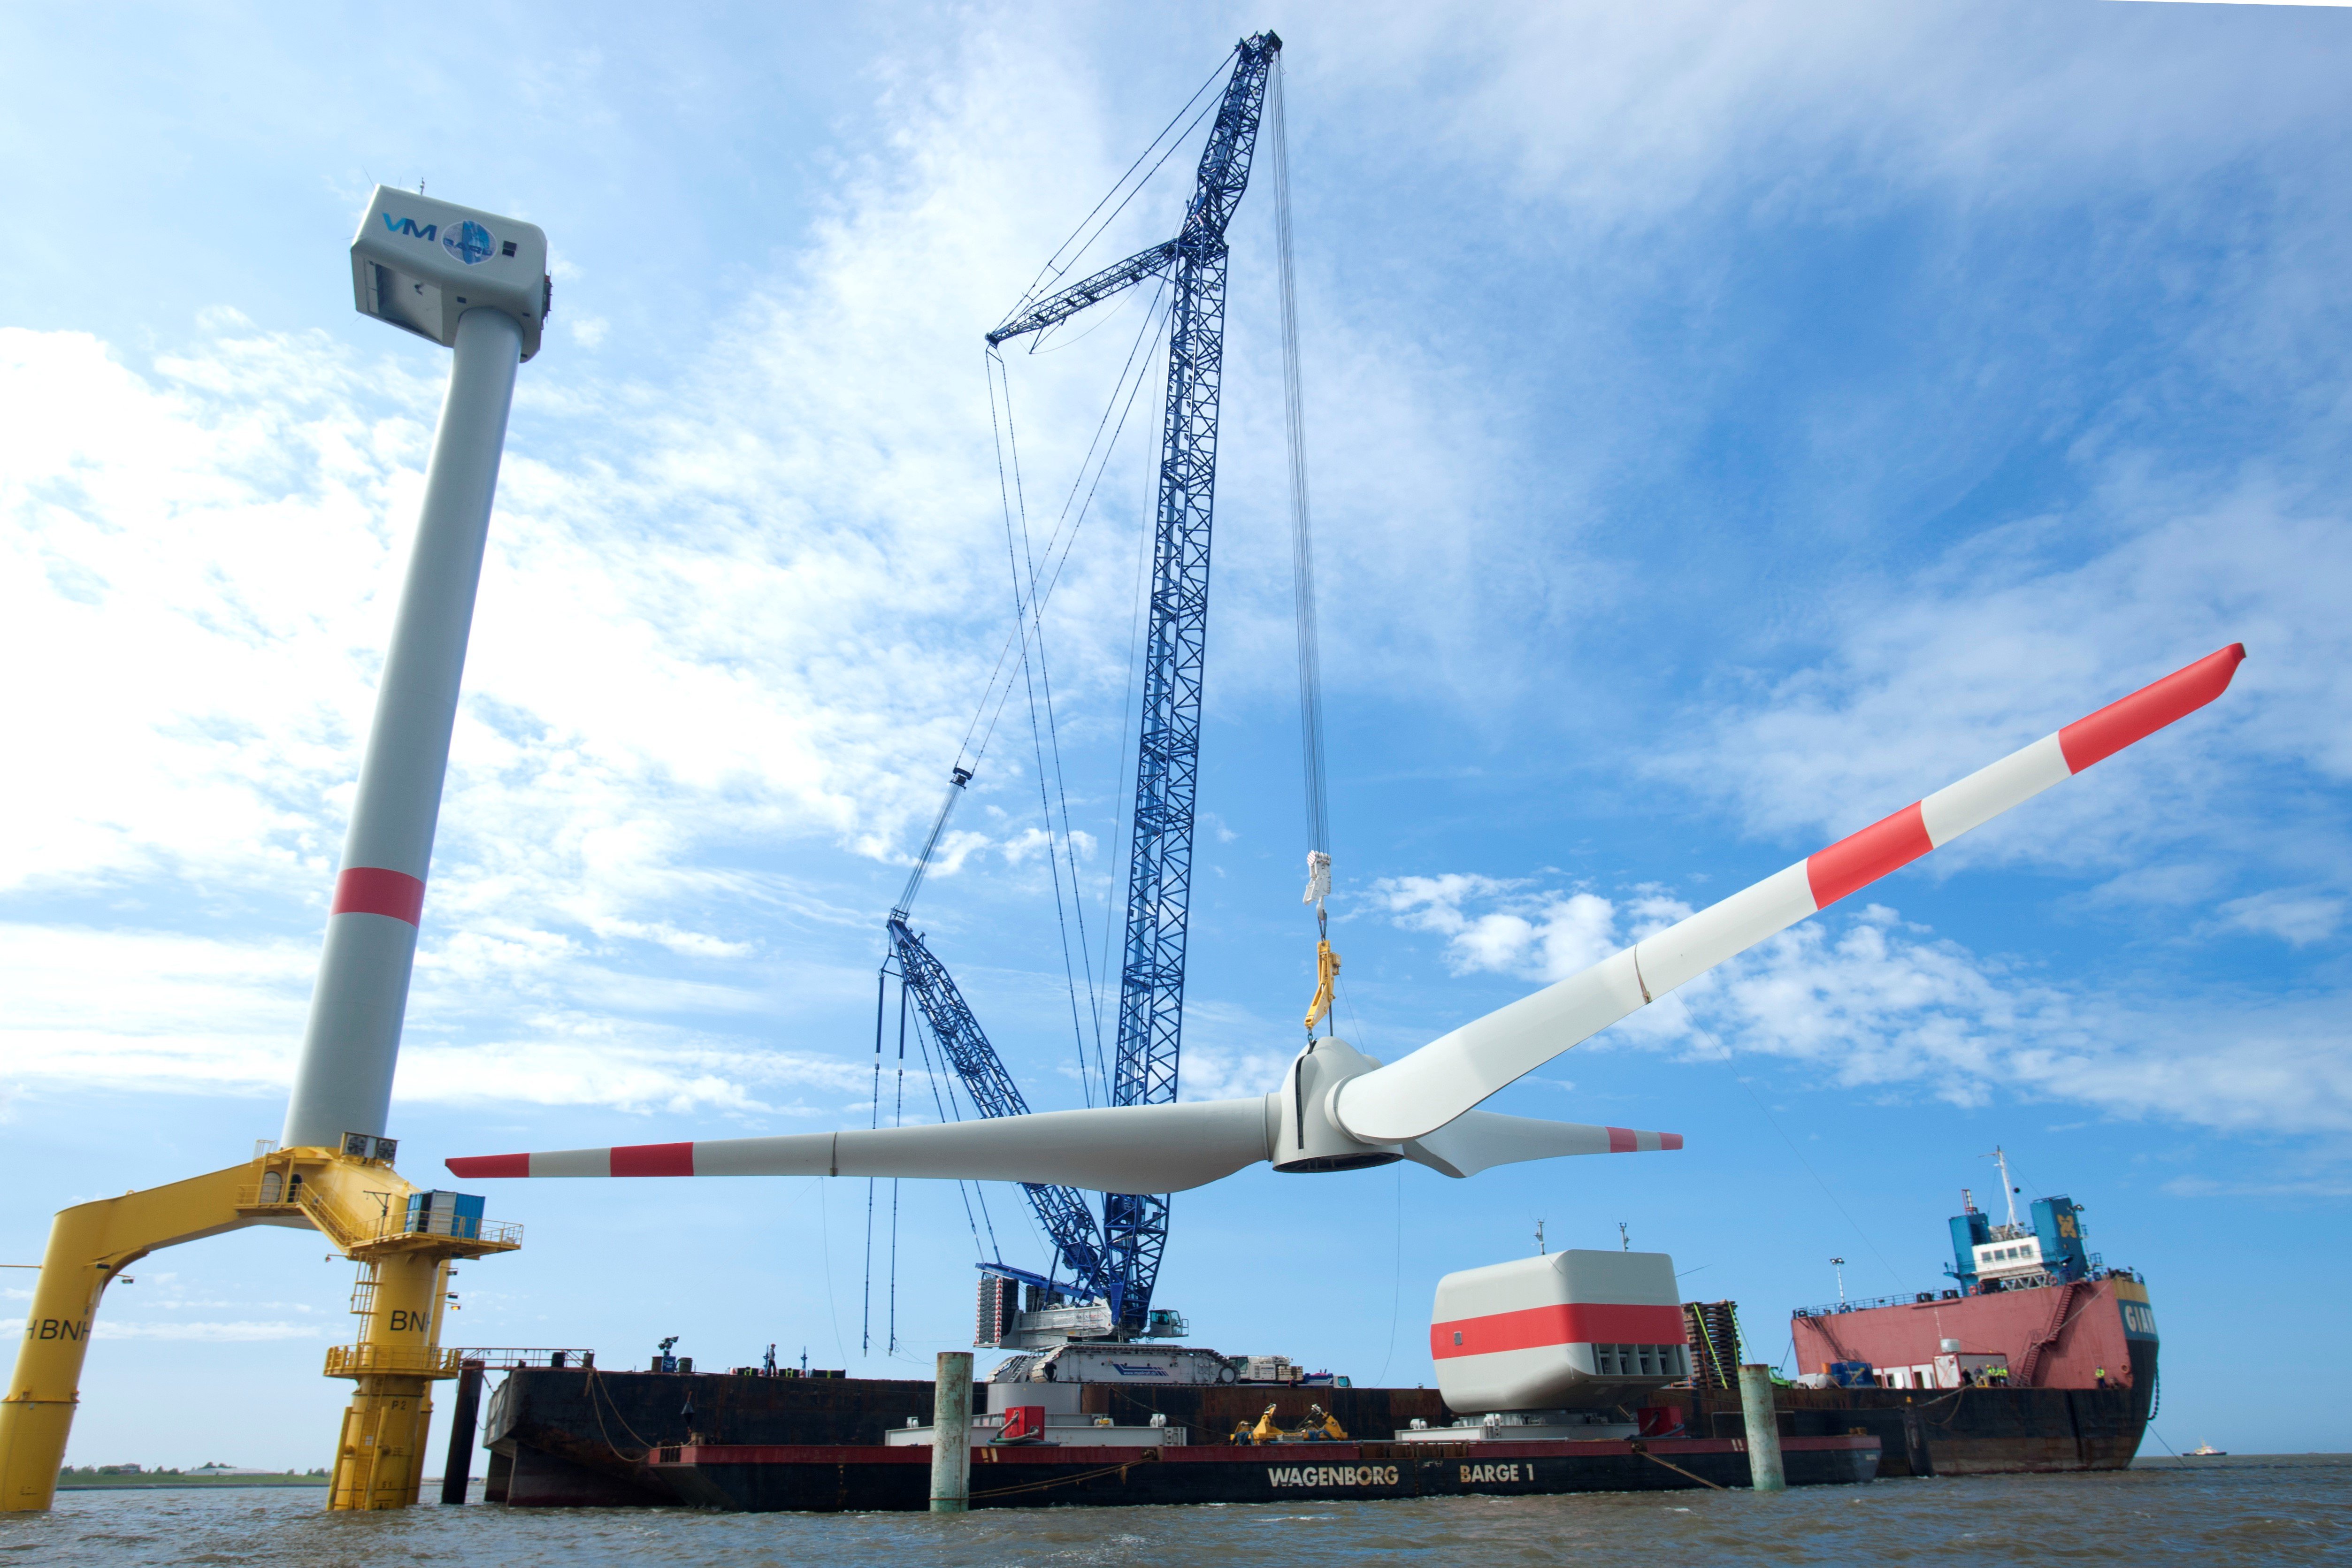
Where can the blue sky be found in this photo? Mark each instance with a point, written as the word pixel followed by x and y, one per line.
pixel 1727 424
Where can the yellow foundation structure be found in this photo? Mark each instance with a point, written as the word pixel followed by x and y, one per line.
pixel 361 1205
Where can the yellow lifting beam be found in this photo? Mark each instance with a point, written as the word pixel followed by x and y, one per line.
pixel 1327 980
pixel 361 1205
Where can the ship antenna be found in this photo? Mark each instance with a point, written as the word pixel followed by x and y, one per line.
pixel 2008 1187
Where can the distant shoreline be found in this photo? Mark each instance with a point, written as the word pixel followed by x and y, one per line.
pixel 152 1483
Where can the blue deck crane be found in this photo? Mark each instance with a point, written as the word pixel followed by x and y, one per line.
pixel 1119 1261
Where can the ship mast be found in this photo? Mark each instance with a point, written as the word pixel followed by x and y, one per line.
pixel 2008 1187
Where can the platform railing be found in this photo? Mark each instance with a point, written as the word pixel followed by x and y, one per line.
pixel 357 1230
pixel 359 1360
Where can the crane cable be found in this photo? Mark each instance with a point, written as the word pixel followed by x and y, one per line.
pixel 1302 559
pixel 1021 556
pixel 1056 266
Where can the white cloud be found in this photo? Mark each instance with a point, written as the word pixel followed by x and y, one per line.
pixel 2002 643
pixel 1869 1001
pixel 1542 936
pixel 2298 919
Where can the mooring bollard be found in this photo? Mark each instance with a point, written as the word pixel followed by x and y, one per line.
pixel 1763 1430
pixel 952 1433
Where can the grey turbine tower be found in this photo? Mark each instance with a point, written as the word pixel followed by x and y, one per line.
pixel 477 283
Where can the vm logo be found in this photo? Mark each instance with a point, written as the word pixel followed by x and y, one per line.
pixel 408 226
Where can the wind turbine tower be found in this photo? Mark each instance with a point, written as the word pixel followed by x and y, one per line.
pixel 477 284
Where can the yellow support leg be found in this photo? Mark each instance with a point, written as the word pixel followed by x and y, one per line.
pixel 361 1205
pixel 380 1461
pixel 90 1244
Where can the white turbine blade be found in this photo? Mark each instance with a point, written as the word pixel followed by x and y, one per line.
pixel 1122 1148
pixel 1480 1140
pixel 1411 1098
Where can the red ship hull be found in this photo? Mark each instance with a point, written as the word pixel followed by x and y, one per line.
pixel 2080 1385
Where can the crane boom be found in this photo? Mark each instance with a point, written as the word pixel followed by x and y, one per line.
pixel 1086 292
pixel 1062 1214
pixel 1167 774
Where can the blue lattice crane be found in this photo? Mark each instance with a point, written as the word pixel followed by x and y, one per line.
pixel 1159 860
pixel 1061 1211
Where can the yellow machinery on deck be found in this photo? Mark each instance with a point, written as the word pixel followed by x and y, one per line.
pixel 1318 1428
pixel 359 1203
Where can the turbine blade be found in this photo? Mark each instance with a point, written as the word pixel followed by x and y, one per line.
pixel 1123 1148
pixel 1480 1140
pixel 1411 1098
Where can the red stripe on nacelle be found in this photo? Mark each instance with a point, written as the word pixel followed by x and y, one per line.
pixel 653 1160
pixel 1574 1323
pixel 2149 709
pixel 372 890
pixel 1860 859
pixel 490 1165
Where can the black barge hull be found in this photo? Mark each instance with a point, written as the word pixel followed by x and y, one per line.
pixel 815 1479
pixel 579 1437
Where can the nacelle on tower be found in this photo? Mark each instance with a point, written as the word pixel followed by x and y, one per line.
pixel 420 263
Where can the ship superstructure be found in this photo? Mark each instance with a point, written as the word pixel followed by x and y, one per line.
pixel 2031 1308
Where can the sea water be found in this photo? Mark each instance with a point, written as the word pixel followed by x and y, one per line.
pixel 2210 1513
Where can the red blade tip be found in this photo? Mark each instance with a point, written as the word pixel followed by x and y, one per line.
pixel 492 1166
pixel 2149 709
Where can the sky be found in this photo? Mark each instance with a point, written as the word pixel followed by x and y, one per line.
pixel 1725 423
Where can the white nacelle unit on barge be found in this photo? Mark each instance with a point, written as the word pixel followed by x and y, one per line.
pixel 1559 1346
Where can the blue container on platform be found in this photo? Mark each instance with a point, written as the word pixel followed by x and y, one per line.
pixel 445 1214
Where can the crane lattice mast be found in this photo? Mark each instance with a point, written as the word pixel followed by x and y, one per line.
pixel 1160 857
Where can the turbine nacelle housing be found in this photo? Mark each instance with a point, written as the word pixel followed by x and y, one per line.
pixel 1306 1134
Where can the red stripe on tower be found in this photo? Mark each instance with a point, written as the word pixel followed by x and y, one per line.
pixel 2149 709
pixel 1860 859
pixel 372 890
pixel 490 1165
pixel 653 1160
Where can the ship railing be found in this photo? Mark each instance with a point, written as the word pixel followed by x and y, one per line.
pixel 509 1358
pixel 1868 1303
pixel 2098 1270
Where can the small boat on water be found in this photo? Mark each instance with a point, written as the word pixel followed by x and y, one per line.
pixel 2206 1451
